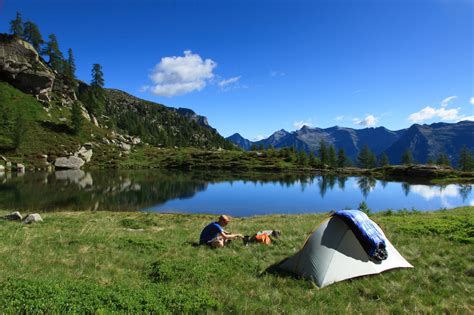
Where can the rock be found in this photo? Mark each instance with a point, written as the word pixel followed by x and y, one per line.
pixel 105 141
pixel 62 119
pixel 35 217
pixel 134 230
pixel 84 154
pixel 2 168
pixel 94 121
pixel 3 158
pixel 21 66
pixel 20 168
pixel 125 146
pixel 14 216
pixel 72 162
pixel 8 166
pixel 136 140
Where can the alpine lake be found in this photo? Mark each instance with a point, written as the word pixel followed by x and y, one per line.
pixel 236 194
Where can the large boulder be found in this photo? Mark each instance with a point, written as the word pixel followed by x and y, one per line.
pixel 22 67
pixel 84 154
pixel 72 162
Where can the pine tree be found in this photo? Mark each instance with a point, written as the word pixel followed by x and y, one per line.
pixel 443 159
pixel 302 158
pixel 76 118
pixel 313 160
pixel 342 159
pixel 466 161
pixel 253 147
pixel 97 76
pixel 366 158
pixel 407 157
pixel 32 35
pixel 16 26
pixel 332 158
pixel 55 55
pixel 71 64
pixel 384 161
pixel 323 153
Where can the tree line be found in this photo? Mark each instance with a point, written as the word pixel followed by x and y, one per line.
pixel 326 156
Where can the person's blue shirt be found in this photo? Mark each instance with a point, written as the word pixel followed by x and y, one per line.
pixel 209 232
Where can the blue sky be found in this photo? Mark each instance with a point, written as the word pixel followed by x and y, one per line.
pixel 255 67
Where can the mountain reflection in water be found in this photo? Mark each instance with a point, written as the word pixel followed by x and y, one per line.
pixel 215 192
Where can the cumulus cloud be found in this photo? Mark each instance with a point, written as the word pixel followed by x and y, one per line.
pixel 429 112
pixel 448 100
pixel 368 121
pixel 301 124
pixel 441 113
pixel 471 100
pixel 179 75
pixel 339 118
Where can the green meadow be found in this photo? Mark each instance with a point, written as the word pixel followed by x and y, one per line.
pixel 105 262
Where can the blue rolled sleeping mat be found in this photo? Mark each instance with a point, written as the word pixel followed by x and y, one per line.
pixel 364 229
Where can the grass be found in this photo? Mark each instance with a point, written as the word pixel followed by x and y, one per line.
pixel 104 262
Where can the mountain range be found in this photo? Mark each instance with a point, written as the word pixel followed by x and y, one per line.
pixel 424 141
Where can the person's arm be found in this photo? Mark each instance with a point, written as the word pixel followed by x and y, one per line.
pixel 229 236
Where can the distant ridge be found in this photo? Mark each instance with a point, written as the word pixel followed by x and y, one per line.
pixel 424 141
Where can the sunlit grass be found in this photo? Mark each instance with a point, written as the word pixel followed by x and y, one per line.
pixel 136 262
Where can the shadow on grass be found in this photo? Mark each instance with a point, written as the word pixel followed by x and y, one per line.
pixel 59 128
pixel 275 270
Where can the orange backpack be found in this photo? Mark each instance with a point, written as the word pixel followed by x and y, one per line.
pixel 263 238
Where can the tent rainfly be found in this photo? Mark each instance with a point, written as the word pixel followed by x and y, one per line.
pixel 333 253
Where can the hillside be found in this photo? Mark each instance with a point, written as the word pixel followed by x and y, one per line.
pixel 36 103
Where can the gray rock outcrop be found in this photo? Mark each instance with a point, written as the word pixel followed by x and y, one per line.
pixel 22 67
pixel 72 162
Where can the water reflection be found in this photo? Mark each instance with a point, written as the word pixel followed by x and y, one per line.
pixel 240 194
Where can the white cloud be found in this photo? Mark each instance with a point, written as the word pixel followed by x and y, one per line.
pixel 429 193
pixel 471 100
pixel 429 113
pixel 448 100
pixel 178 75
pixel 471 203
pixel 471 118
pixel 226 82
pixel 259 137
pixel 299 124
pixel 368 121
pixel 339 118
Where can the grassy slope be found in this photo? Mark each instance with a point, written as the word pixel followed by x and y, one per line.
pixel 45 134
pixel 89 261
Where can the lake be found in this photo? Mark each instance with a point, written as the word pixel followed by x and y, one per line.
pixel 218 192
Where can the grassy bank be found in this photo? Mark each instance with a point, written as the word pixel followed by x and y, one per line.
pixel 135 262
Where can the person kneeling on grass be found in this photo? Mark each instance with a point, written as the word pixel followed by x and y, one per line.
pixel 215 236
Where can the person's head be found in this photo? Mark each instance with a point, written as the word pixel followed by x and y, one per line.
pixel 224 220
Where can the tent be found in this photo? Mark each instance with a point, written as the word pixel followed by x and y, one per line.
pixel 333 253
